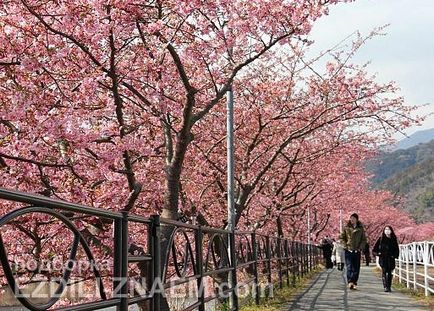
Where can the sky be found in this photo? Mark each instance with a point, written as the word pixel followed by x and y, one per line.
pixel 405 54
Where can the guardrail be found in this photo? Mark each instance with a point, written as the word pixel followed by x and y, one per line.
pixel 145 255
pixel 415 266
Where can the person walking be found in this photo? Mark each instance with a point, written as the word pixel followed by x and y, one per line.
pixel 353 240
pixel 387 249
pixel 327 248
pixel 339 254
pixel 367 253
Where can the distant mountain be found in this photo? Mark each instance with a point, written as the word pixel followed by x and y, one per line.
pixel 416 184
pixel 419 137
pixel 408 173
pixel 388 164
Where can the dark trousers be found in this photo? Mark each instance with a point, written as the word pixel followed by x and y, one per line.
pixel 329 263
pixel 387 278
pixel 352 261
pixel 367 260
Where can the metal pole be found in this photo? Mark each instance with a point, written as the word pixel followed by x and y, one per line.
pixel 199 268
pixel 230 157
pixel 156 264
pixel 124 263
pixel 255 268
pixel 117 273
pixel 231 203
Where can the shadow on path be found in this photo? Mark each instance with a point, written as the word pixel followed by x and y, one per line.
pixel 328 291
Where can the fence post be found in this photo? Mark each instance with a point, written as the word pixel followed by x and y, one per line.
pixel 425 266
pixel 199 268
pixel 233 274
pixel 268 261
pixel 124 262
pixel 117 260
pixel 156 264
pixel 255 268
pixel 400 264
pixel 299 260
pixel 287 261
pixel 303 260
pixel 414 265
pixel 407 265
pixel 279 262
pixel 120 272
pixel 301 254
pixel 310 258
pixel 293 260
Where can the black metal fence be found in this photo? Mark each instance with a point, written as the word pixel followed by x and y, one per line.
pixel 148 260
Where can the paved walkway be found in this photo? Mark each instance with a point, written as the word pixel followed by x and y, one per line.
pixel 328 291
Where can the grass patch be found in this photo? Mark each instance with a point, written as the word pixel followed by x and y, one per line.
pixel 418 294
pixel 281 296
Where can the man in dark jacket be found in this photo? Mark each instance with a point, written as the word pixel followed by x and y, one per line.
pixel 353 239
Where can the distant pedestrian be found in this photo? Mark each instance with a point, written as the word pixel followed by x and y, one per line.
pixel 327 247
pixel 367 254
pixel 339 254
pixel 353 240
pixel 387 249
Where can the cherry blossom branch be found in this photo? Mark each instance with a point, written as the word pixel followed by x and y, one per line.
pixel 39 163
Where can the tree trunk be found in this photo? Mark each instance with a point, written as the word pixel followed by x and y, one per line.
pixel 279 227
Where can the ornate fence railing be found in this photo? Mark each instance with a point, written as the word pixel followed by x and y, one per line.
pixel 415 266
pixel 63 256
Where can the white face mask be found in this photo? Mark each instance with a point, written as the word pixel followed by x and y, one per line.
pixel 387 232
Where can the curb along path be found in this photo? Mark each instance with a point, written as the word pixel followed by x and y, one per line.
pixel 328 291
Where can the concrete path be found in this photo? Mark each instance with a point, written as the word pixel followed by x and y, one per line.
pixel 328 291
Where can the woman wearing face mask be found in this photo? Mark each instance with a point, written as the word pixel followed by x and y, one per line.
pixel 387 249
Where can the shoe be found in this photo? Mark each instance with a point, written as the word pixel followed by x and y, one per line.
pixel 351 285
pixel 387 290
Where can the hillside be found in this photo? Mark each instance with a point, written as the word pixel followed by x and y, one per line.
pixel 416 184
pixel 388 164
pixel 408 173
